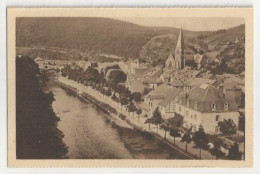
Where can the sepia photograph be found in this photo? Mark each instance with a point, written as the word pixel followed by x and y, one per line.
pixel 138 87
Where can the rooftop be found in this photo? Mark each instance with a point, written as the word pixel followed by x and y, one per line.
pixel 204 96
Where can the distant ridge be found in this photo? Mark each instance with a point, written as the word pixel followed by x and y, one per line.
pixel 95 36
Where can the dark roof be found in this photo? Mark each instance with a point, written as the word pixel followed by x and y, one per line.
pixel 204 96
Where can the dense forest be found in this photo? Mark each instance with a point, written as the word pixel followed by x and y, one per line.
pixel 37 136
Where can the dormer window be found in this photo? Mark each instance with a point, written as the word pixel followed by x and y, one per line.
pixel 196 106
pixel 226 105
pixel 213 106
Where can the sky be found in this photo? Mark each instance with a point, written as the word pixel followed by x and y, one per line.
pixel 194 24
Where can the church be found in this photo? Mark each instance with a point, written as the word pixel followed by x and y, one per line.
pixel 176 62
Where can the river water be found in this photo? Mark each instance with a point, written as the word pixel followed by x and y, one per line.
pixel 88 134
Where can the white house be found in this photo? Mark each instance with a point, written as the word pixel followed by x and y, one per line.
pixel 206 106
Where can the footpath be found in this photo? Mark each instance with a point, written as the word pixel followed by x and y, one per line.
pixel 132 117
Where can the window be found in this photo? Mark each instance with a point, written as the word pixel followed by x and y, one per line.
pixel 226 106
pixel 196 106
pixel 213 106
pixel 187 113
pixel 191 116
pixel 217 117
pixel 195 117
pixel 179 109
pixel 188 103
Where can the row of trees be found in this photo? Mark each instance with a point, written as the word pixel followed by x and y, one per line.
pixel 199 137
pixel 109 86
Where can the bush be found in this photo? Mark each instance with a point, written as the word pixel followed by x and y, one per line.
pixel 227 127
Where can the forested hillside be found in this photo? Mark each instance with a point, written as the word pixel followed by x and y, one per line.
pixel 87 35
pixel 96 38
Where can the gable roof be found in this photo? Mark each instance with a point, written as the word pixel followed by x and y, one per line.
pixel 170 95
pixel 165 92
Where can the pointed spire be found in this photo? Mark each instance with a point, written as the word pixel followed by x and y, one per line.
pixel 180 42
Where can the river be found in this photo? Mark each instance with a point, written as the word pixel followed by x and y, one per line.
pixel 89 135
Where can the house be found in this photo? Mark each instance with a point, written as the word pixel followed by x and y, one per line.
pixel 200 60
pixel 177 84
pixel 163 95
pixel 206 106
pixel 152 82
pixel 232 92
pixel 196 82
pixel 167 106
pixel 140 70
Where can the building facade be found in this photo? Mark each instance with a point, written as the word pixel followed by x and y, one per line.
pixel 206 106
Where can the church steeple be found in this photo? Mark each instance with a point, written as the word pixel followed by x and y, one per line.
pixel 179 52
pixel 180 42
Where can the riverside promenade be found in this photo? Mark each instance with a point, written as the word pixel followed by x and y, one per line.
pixel 133 119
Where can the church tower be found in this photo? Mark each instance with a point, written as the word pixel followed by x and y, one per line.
pixel 179 52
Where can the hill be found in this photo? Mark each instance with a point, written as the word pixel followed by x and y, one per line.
pixel 106 39
pixel 90 36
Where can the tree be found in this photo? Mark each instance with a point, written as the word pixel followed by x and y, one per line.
pixel 116 66
pixel 200 139
pixel 241 123
pixel 227 127
pixel 94 64
pixel 123 102
pixel 36 123
pixel 174 132
pixel 234 153
pixel 91 74
pixel 165 126
pixel 216 151
pixel 137 96
pixel 149 121
pixel 139 112
pixel 114 97
pixel 187 139
pixel 117 76
pixel 157 118
pixel 131 107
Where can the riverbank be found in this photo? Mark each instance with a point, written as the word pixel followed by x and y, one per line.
pixel 140 148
